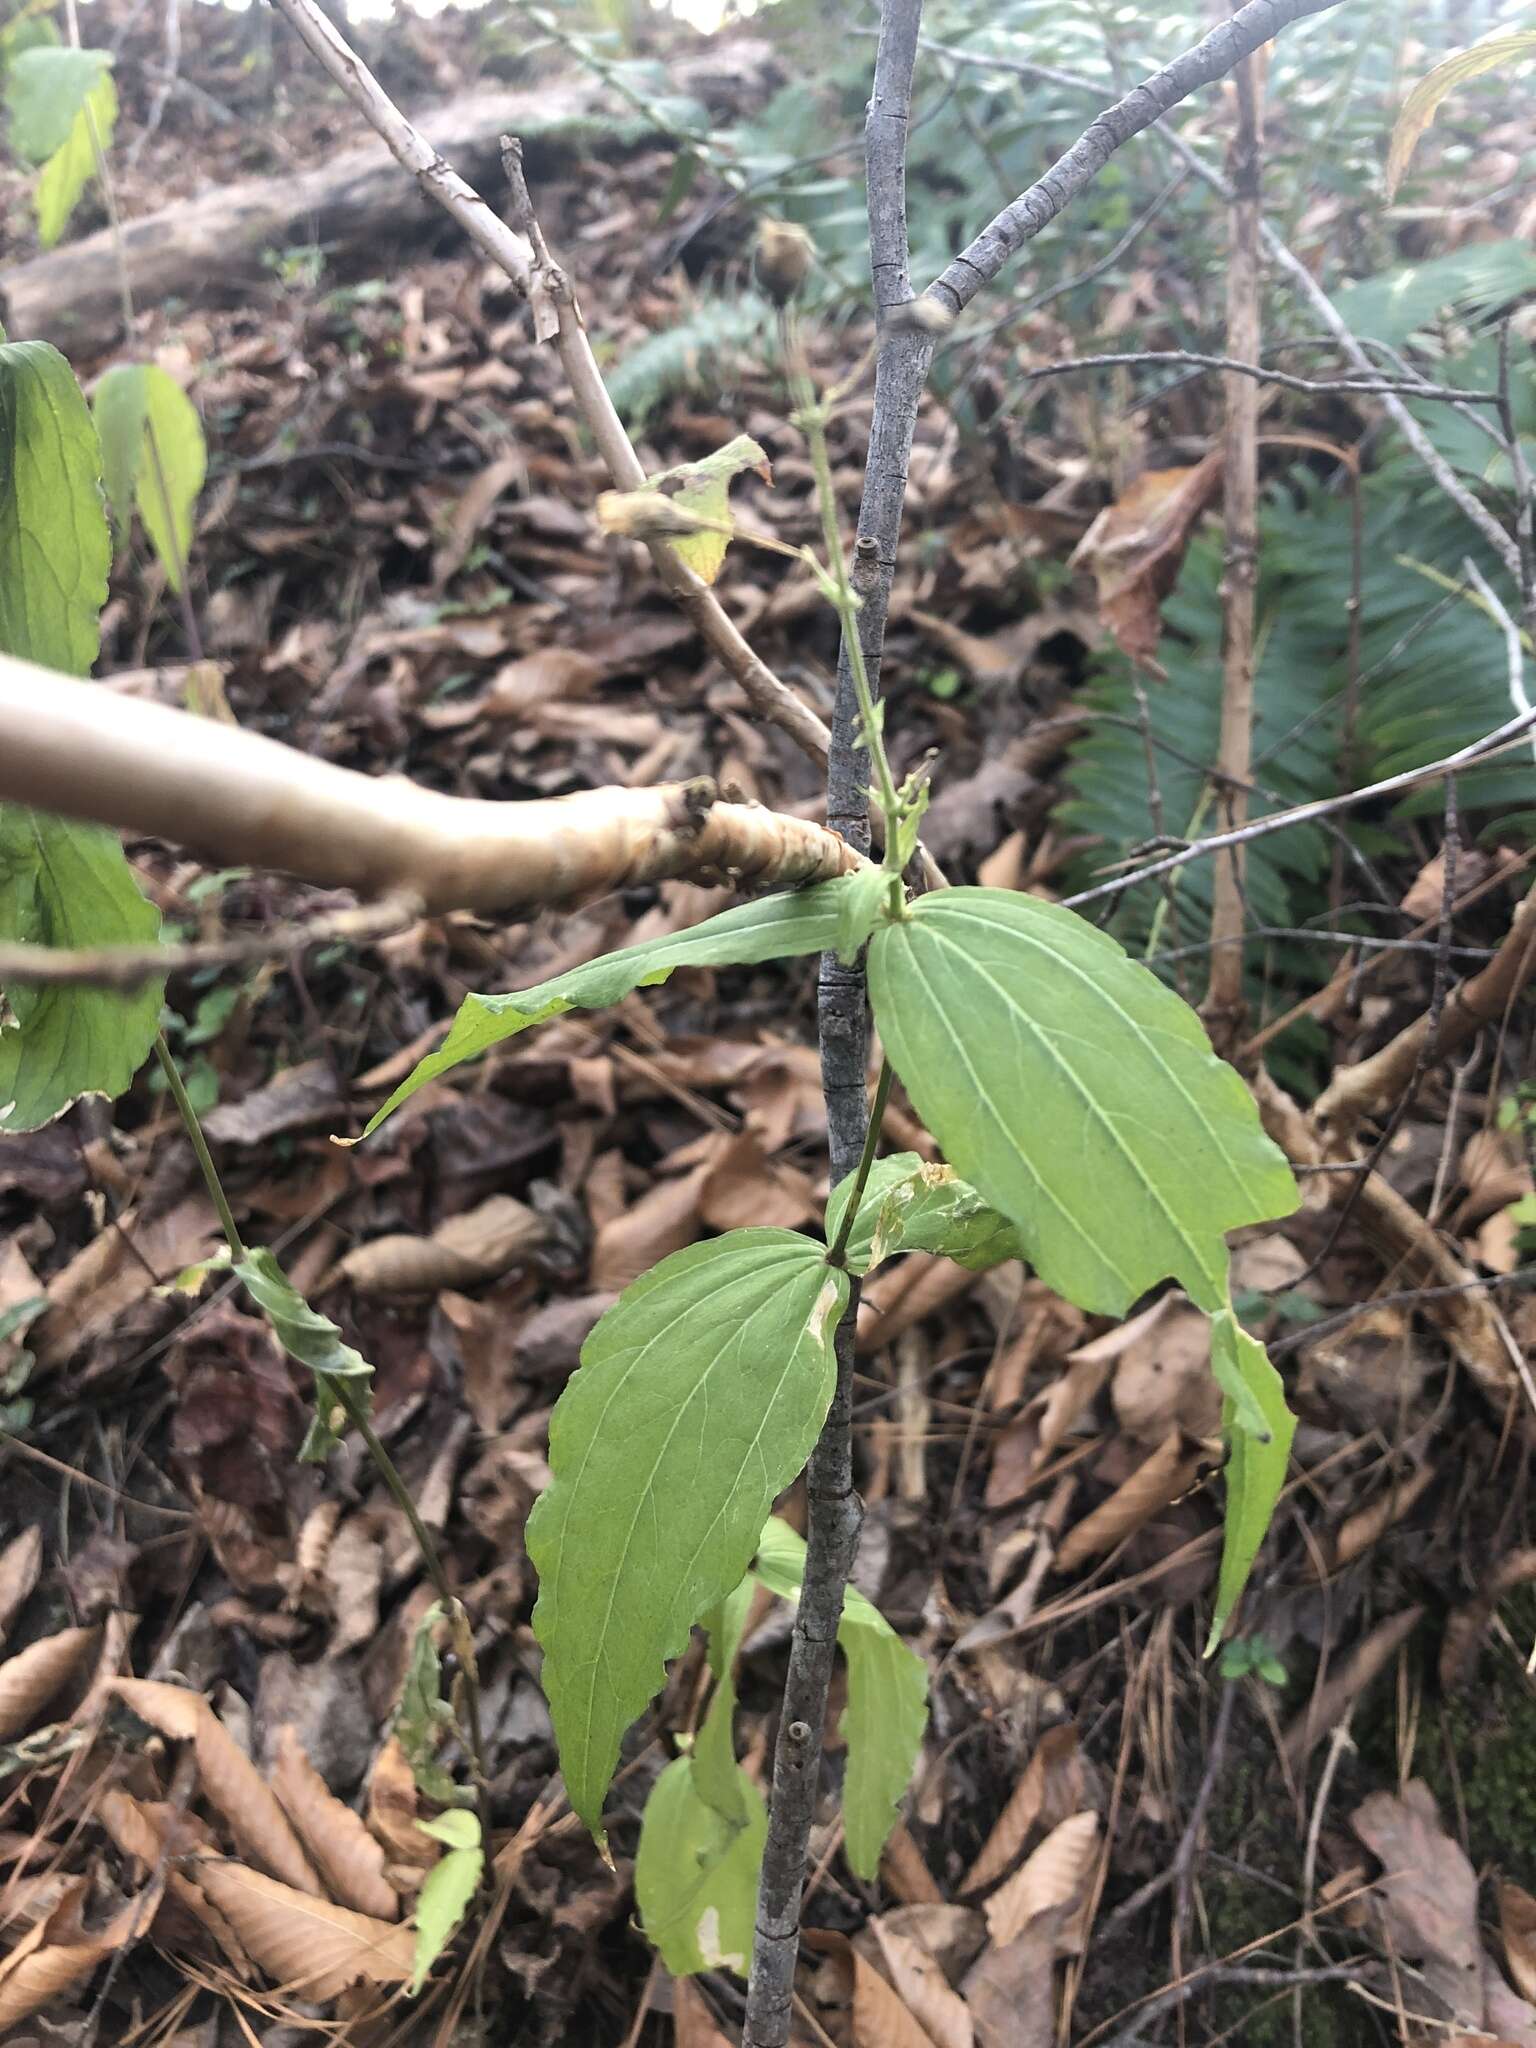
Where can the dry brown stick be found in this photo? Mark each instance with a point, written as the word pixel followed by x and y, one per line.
pixel 521 253
pixel 1376 1083
pixel 124 967
pixel 83 752
pixel 1223 1009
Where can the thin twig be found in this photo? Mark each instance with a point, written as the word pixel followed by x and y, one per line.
pixel 1261 373
pixel 1474 753
pixel 127 967
pixel 556 318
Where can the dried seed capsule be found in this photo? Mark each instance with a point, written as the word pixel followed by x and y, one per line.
pixel 784 257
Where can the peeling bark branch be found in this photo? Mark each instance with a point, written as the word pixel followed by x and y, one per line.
pixel 77 749
pixel 521 253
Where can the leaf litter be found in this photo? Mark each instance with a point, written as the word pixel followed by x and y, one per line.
pixel 399 567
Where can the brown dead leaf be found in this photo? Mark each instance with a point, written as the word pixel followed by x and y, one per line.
pixel 307 1945
pixel 1517 1924
pixel 1467 1625
pixel 471 509
pixel 919 1981
pixel 295 1100
pixel 159 1836
pixel 1136 546
pixel 1157 1481
pixel 1163 1374
pixel 347 1856
pixel 881 2017
pixel 662 1221
pixel 1505 2014
pixel 1369 1524
pixel 745 1187
pixel 117 1268
pixel 1051 1879
pixel 1426 1896
pixel 903 1871
pixel 466 1251
pixel 693 2024
pixel 36 1675
pixel 1364 1664
pixel 59 1952
pixel 20 1562
pixel 229 1779
pixel 1050 1774
pixel 392 1811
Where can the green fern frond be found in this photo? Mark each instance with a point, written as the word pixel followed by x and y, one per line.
pixel 720 338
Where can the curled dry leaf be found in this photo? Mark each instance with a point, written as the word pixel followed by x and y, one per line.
pixel 307 1945
pixel 1517 1924
pixel 881 2017
pixel 59 1953
pixel 229 1779
pixel 1163 1374
pixel 1154 1485
pixel 158 1837
pixel 1050 1880
pixel 1365 1663
pixel 392 1812
pixel 20 1562
pixel 745 1187
pixel 919 1981
pixel 1468 1625
pixel 1135 547
pixel 38 1674
pixel 466 1251
pixel 347 1856
pixel 1052 1776
pixel 1370 1523
pixel 693 2024
pixel 661 1222
pixel 1426 1896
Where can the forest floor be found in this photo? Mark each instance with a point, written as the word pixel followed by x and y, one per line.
pixel 397 568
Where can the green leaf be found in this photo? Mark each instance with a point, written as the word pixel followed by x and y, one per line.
pixel 865 897
pixel 698 1399
pixel 73 164
pixel 55 551
pixel 423 1717
pixel 45 91
pixel 714 1753
pixel 153 456
pixel 1422 104
pixel 445 1895
pixel 1257 1461
pixel 887 1701
pixel 312 1339
pixel 774 928
pixel 1076 1093
pixel 704 489
pixel 911 1205
pixel 63 884
pixel 696 1873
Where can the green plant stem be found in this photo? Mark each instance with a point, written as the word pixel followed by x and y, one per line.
pixel 194 1131
pixel 358 1418
pixel 811 417
pixel 838 1250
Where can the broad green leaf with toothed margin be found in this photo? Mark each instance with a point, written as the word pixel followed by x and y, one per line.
pixel 698 1399
pixel 774 928
pixel 72 166
pixel 696 1873
pixel 887 1708
pixel 1076 1093
pixel 153 457
pixel 912 1205
pixel 1256 1461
